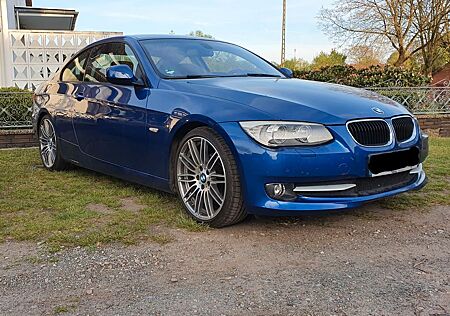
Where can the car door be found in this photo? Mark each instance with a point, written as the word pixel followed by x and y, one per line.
pixel 111 126
pixel 65 93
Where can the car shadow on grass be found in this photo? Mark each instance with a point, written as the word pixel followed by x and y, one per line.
pixel 377 210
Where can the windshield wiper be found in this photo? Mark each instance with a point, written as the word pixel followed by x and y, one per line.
pixel 196 76
pixel 251 74
pixel 192 77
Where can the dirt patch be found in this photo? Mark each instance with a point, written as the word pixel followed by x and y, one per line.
pixel 130 204
pixel 368 261
pixel 99 208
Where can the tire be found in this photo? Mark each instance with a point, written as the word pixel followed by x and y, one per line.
pixel 207 179
pixel 49 148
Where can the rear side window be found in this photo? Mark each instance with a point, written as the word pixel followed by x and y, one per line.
pixel 75 70
pixel 108 55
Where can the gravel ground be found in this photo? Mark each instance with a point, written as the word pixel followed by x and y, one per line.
pixel 369 261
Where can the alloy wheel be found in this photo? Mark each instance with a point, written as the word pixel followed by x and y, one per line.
pixel 47 142
pixel 201 178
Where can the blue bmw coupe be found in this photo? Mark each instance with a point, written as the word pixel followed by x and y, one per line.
pixel 223 128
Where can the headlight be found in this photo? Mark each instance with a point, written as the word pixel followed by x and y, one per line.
pixel 278 134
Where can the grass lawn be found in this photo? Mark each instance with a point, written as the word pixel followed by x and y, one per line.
pixel 80 207
pixel 437 191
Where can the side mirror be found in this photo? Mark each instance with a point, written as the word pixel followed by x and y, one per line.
pixel 287 72
pixel 122 75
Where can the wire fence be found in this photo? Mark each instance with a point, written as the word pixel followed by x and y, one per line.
pixel 16 107
pixel 15 110
pixel 419 100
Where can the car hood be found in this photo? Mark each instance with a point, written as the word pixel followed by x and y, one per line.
pixel 295 99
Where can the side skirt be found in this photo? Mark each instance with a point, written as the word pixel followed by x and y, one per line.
pixel 73 154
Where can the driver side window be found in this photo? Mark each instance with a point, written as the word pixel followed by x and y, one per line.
pixel 108 55
pixel 75 70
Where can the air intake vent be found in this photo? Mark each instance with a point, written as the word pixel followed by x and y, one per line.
pixel 404 128
pixel 370 132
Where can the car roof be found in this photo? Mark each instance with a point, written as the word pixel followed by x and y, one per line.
pixel 166 36
pixel 148 37
pixel 151 36
pixel 140 38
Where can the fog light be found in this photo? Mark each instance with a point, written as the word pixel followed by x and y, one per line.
pixel 278 189
pixel 281 191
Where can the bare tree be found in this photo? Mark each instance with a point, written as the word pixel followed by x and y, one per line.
pixel 409 26
pixel 431 19
pixel 363 56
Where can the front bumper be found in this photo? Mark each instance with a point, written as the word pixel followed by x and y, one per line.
pixel 341 160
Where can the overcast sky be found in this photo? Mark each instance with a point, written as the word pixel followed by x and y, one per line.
pixel 254 24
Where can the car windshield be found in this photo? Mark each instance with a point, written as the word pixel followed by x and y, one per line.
pixel 196 58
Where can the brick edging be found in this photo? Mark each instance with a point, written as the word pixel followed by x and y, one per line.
pixel 17 138
pixel 436 125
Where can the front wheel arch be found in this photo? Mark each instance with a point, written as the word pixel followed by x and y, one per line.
pixel 232 206
pixel 185 126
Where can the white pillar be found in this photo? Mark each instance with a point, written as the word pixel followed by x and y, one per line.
pixel 5 50
pixel 3 26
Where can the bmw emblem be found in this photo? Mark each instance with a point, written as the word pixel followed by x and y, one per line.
pixel 378 110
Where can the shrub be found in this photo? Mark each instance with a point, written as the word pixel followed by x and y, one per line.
pixel 15 107
pixel 374 76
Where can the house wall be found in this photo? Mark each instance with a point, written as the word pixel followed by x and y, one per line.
pixel 12 23
pixel 27 57
pixel 3 41
pixel 37 55
pixel 7 22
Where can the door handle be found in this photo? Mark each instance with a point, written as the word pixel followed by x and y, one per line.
pixel 79 96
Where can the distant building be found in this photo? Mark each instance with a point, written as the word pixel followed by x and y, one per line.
pixel 34 42
pixel 442 77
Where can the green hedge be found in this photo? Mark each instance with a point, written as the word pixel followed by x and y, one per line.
pixel 15 107
pixel 374 76
pixel 15 103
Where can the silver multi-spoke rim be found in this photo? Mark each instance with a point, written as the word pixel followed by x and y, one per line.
pixel 201 178
pixel 47 141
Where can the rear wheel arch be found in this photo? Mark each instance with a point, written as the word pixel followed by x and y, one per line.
pixel 49 141
pixel 42 113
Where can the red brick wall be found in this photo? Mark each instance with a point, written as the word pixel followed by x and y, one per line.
pixel 17 138
pixel 436 125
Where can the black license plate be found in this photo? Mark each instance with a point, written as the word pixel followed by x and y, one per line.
pixel 395 160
